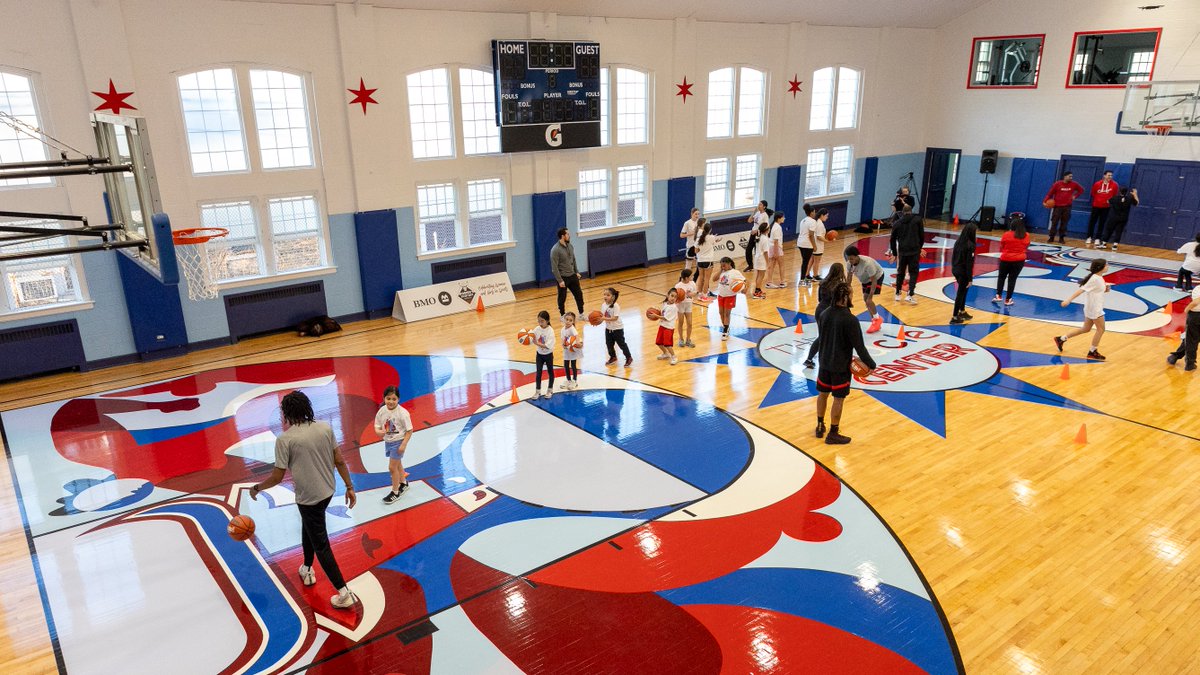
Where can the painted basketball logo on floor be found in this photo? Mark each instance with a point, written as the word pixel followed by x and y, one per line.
pixel 545 536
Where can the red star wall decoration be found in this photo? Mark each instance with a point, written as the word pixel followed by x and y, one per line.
pixel 114 100
pixel 794 85
pixel 685 89
pixel 362 95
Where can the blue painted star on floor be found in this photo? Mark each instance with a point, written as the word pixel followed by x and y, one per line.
pixel 927 408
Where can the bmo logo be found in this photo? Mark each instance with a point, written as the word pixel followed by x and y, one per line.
pixel 925 361
pixel 554 135
pixel 424 302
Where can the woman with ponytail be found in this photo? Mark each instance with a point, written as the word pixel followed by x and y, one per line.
pixel 1093 289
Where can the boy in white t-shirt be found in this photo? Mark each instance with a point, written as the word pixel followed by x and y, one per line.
pixel 685 290
pixel 665 340
pixel 688 234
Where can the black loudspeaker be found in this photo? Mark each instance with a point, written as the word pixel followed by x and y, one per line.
pixel 987 218
pixel 987 163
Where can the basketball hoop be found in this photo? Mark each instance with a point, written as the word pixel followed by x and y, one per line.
pixel 197 259
pixel 1157 129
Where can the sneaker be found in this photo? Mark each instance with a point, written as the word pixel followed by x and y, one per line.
pixel 1087 242
pixel 1062 240
pixel 712 294
pixel 307 576
pixel 820 432
pixel 343 601
pixel 629 362
pixel 611 360
pixel 689 343
pixel 817 277
pixel 897 297
pixel 997 300
pixel 681 344
pixel 1100 244
pixel 1171 359
pixel 1008 302
pixel 402 488
pixel 662 357
pixel 911 300
pixel 537 393
pixel 565 386
pixel 809 364
pixel 1190 367
pixel 836 439
pixel 965 316
pixel 391 498
pixel 674 360
pixel 1114 247
pixel 1095 355
pixel 549 393
pixel 876 324
pixel 724 336
pixel 1059 342
pixel 957 320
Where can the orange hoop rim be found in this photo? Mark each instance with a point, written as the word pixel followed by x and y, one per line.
pixel 197 235
pixel 1158 129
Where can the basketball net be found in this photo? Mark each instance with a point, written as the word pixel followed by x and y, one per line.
pixel 1157 129
pixel 197 259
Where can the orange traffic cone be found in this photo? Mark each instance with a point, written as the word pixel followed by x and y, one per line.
pixel 479 304
pixel 1173 337
pixel 900 334
pixel 1169 308
pixel 514 398
pixel 1081 437
pixel 799 325
pixel 1066 373
pixel 956 220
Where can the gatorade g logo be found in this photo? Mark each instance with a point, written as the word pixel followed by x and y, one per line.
pixel 554 135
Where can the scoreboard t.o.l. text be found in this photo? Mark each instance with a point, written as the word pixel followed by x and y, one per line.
pixel 547 94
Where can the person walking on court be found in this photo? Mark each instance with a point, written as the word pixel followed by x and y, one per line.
pixel 1187 346
pixel 1093 288
pixel 870 274
pixel 562 263
pixel 962 265
pixel 1119 208
pixel 308 450
pixel 1103 191
pixel 907 245
pixel 836 275
pixel 1060 197
pixel 839 337
pixel 1013 246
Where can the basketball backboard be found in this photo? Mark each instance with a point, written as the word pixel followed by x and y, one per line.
pixel 132 196
pixel 1158 104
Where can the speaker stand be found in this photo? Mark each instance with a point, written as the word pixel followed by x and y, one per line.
pixel 982 201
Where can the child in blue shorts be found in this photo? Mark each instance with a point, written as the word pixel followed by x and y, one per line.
pixel 393 423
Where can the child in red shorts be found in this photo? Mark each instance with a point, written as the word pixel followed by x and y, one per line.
pixel 726 296
pixel 666 327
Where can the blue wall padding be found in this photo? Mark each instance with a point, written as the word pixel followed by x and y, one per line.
pixel 549 214
pixel 378 258
pixel 787 197
pixel 681 197
pixel 155 311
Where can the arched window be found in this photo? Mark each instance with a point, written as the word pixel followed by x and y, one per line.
pixel 429 116
pixel 632 96
pixel 746 86
pixel 835 98
pixel 477 91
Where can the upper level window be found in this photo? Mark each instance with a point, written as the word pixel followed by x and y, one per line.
pixel 38 282
pixel 481 135
pixel 746 86
pixel 281 115
pixel 723 191
pixel 429 114
pixel 17 100
pixel 835 98
pixel 604 101
pixel 1140 65
pixel 632 97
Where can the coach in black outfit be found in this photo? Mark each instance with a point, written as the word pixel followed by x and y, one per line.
pixel 562 263
pixel 907 244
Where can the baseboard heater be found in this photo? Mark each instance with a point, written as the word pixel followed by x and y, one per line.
pixel 271 310
pixel 42 348
pixel 453 270
pixel 616 253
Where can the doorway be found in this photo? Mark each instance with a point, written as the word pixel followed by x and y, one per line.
pixel 940 183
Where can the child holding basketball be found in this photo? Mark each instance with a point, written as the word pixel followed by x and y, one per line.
pixel 572 351
pixel 614 329
pixel 1093 289
pixel 684 291
pixel 726 295
pixel 543 339
pixel 394 424
pixel 666 327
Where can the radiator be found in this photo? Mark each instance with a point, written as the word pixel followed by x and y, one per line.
pixel 43 348
pixel 730 225
pixel 614 253
pixel 273 309
pixel 453 270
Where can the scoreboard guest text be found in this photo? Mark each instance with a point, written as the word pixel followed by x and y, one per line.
pixel 547 94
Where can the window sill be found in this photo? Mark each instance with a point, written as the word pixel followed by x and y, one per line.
pixel 287 276
pixel 613 229
pixel 469 250
pixel 35 312
pixel 727 213
pixel 829 198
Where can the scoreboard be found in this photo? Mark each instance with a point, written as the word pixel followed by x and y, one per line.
pixel 547 94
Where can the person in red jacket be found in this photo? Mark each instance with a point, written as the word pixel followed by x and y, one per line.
pixel 1062 193
pixel 1102 191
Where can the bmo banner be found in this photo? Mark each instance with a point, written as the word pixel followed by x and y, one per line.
pixel 427 302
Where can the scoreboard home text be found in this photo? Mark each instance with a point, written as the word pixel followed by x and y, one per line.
pixel 547 94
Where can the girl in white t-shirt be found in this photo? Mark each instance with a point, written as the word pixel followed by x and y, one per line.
pixel 665 340
pixel 806 242
pixel 1190 266
pixel 543 339
pixel 688 234
pixel 705 255
pixel 814 270
pixel 572 343
pixel 1093 288
pixel 685 290
pixel 614 328
pixel 760 261
pixel 394 424
pixel 775 252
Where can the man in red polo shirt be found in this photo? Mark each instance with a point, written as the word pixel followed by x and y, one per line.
pixel 1102 191
pixel 1062 193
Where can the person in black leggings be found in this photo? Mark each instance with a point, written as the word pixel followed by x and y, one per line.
pixel 1012 258
pixel 837 275
pixel 962 264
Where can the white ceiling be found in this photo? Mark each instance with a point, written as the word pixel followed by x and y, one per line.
pixel 866 13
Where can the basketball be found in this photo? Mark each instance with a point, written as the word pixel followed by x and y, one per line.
pixel 653 314
pixel 738 286
pixel 573 342
pixel 858 368
pixel 525 336
pixel 596 318
pixel 1049 203
pixel 241 528
pixel 831 235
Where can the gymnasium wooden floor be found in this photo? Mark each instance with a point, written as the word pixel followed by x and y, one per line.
pixel 1050 509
